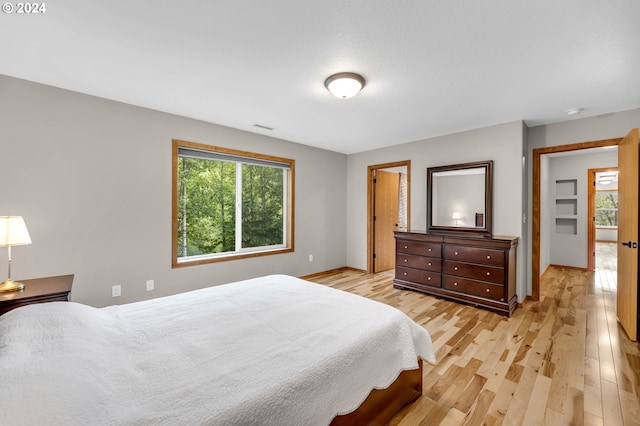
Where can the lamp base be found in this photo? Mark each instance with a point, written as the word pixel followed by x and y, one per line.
pixel 11 285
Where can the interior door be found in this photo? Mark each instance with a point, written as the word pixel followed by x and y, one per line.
pixel 627 304
pixel 386 190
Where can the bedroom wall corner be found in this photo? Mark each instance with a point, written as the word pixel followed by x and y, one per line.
pixel 501 143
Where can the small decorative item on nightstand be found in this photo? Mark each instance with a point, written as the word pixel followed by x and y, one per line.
pixel 13 232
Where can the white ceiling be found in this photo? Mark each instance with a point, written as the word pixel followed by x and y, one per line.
pixel 432 67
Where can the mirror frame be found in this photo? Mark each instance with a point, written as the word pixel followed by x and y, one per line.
pixel 488 197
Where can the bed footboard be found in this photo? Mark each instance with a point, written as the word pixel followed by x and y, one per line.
pixel 381 404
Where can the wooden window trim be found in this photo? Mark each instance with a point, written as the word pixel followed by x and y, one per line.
pixel 223 258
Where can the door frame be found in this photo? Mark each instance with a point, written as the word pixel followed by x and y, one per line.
pixel 591 209
pixel 371 208
pixel 535 202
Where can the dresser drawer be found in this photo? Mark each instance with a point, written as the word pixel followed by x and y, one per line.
pixel 418 276
pixel 475 288
pixel 478 272
pixel 474 255
pixel 421 249
pixel 419 262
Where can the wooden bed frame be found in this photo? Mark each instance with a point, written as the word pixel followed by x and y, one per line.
pixel 381 404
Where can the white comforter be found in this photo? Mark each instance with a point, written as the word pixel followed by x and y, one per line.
pixel 275 350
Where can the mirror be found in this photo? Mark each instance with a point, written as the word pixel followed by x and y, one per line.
pixel 459 198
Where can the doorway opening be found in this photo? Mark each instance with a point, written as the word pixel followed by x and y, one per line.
pixel 388 210
pixel 603 215
pixel 538 155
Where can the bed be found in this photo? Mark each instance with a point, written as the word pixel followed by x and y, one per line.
pixel 275 350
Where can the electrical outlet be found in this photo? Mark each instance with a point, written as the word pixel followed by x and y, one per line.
pixel 116 290
pixel 150 285
pixel 310 258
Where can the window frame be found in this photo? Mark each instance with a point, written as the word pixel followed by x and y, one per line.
pixel 288 226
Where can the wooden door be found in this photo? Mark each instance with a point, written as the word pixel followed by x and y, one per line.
pixel 627 305
pixel 386 190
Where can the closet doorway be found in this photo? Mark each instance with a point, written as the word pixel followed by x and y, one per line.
pixel 388 202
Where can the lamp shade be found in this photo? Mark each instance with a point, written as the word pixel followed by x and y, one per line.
pixel 344 85
pixel 13 231
pixel 456 215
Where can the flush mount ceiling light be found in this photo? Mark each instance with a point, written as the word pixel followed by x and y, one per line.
pixel 344 85
pixel 574 111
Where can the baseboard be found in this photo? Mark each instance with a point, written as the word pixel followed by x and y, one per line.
pixel 526 299
pixel 332 271
pixel 545 271
pixel 569 267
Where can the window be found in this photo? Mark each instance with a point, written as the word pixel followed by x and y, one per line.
pixel 607 209
pixel 229 204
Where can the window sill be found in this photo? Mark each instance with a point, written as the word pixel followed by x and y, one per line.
pixel 201 260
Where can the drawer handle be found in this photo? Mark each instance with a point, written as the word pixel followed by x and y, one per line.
pixel 405 274
pixel 455 268
pixel 488 273
pixel 406 247
pixel 488 290
pixel 406 260
pixel 429 250
pixel 455 253
pixel 428 278
pixel 429 263
pixel 488 257
pixel 455 283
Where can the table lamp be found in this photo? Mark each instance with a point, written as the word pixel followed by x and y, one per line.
pixel 13 232
pixel 456 216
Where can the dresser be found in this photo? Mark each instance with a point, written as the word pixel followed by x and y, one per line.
pixel 38 290
pixel 476 270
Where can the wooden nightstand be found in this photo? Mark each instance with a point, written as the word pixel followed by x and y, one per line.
pixel 38 290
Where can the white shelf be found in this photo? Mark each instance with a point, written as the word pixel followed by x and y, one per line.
pixel 566 213
pixel 567 187
pixel 566 226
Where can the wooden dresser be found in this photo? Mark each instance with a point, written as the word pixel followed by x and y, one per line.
pixel 475 270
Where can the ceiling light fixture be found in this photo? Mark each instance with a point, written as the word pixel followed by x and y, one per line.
pixel 344 85
pixel 574 111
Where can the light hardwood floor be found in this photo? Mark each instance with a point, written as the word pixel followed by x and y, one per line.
pixel 563 360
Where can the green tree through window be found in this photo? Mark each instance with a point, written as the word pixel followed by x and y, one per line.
pixel 229 204
pixel 207 206
pixel 607 208
pixel 262 206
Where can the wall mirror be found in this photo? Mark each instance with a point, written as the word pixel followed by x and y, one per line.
pixel 459 198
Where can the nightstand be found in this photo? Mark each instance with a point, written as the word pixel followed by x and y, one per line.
pixel 38 290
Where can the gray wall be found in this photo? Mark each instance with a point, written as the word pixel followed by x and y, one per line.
pixel 607 126
pixel 502 143
pixel 92 178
